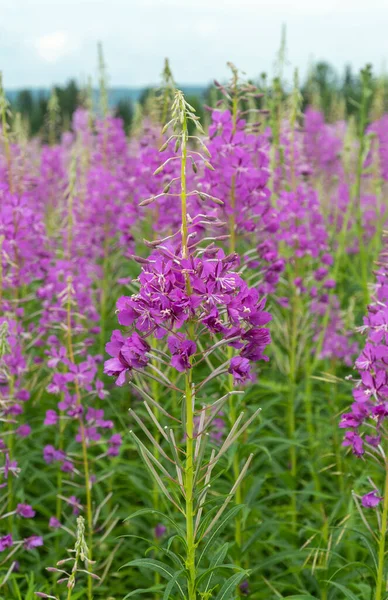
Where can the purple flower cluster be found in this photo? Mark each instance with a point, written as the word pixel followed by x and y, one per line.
pixel 364 422
pixel 174 291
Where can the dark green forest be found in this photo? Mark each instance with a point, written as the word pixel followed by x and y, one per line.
pixel 336 95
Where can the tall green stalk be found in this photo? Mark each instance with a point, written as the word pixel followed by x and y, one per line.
pixel 381 580
pixel 4 107
pixel 232 249
pixel 189 491
pixel 291 403
pixel 189 425
pixel 363 121
pixel 85 459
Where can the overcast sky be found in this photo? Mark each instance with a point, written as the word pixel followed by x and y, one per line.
pixel 48 41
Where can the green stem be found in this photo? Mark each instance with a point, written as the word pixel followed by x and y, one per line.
pixel 189 425
pixel 291 406
pixel 236 472
pixel 155 491
pixel 10 453
pixel 184 230
pixel 89 513
pixel 7 148
pixel 363 121
pixel 189 484
pixel 232 217
pixel 104 295
pixel 232 249
pixel 380 583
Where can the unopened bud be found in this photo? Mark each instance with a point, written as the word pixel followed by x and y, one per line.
pixel 147 201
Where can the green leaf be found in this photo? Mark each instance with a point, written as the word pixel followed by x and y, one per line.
pixel 172 583
pixel 217 559
pixel 154 565
pixel 342 588
pixel 224 520
pixel 174 557
pixel 155 588
pixel 211 570
pixel 151 511
pixel 229 588
pixel 150 563
pixel 301 597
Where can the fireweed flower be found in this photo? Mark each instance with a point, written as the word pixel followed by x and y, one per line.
pixel 5 542
pixel 219 300
pixel 371 500
pixel 191 305
pixel 34 541
pixel 25 510
pixel 364 422
pixel 54 523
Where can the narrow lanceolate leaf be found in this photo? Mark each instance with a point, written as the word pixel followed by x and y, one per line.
pixel 229 437
pixel 229 497
pixel 214 410
pixel 216 560
pixel 155 421
pixel 163 516
pixel 301 597
pixel 228 590
pixel 149 591
pixel 219 527
pixel 152 458
pixel 149 435
pixel 158 480
pixel 173 583
pixel 200 457
pixel 347 593
pixel 199 434
pixel 212 570
pixel 174 451
pixel 234 435
pixel 206 487
pixel 155 565
pixel 153 402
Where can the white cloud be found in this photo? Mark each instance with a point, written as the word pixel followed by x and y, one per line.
pixel 53 46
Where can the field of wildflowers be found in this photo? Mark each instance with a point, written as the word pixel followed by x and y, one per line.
pixel 194 351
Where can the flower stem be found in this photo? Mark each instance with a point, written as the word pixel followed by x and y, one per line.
pixel 184 230
pixel 236 467
pixel 189 483
pixel 189 425
pixel 380 583
pixel 89 514
pixel 155 491
pixel 7 148
pixel 232 217
pixel 291 406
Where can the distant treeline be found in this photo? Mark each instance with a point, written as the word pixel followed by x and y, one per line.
pixel 337 96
